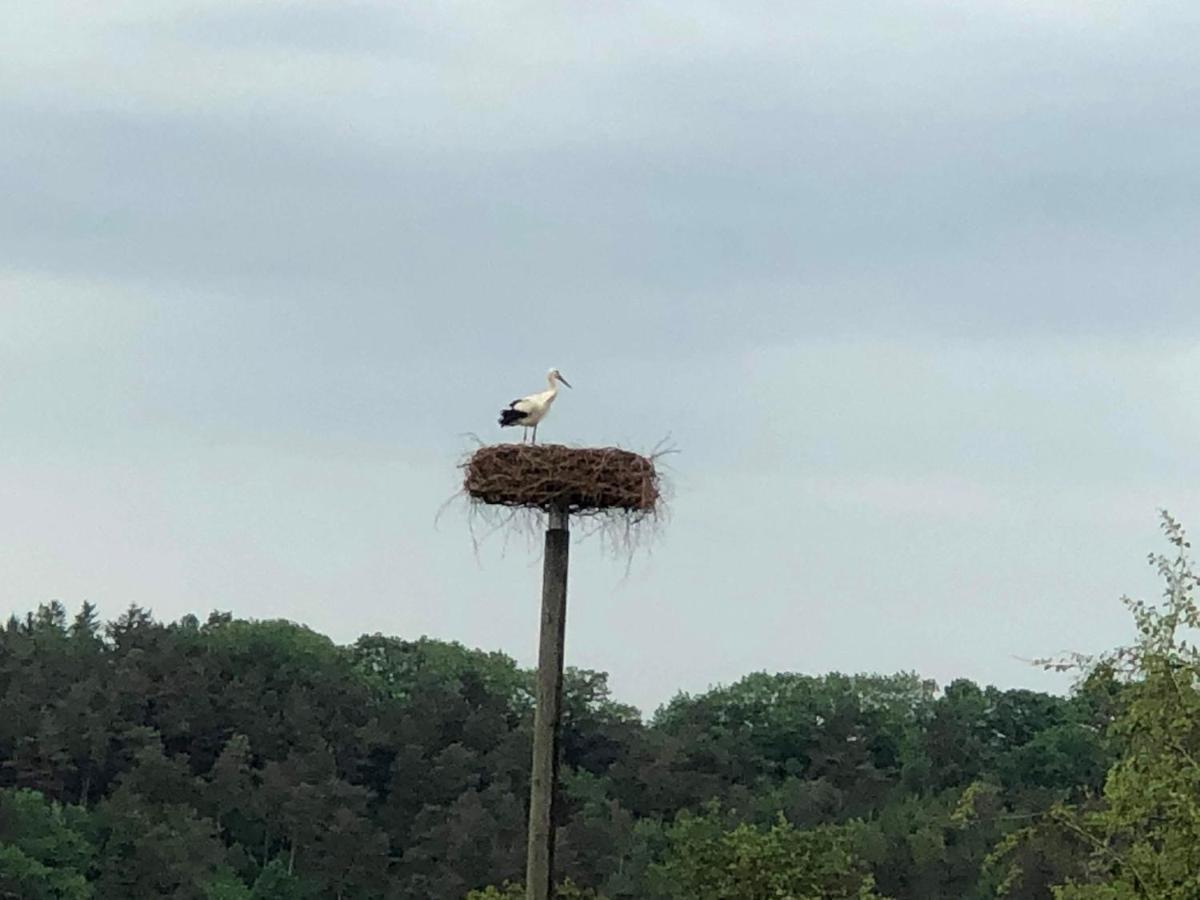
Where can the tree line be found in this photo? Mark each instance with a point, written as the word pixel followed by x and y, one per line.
pixel 231 759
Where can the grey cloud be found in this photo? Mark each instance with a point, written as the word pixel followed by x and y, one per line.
pixel 354 28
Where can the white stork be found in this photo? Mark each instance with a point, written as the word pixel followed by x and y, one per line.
pixel 528 411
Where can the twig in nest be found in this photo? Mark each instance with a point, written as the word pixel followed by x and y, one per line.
pixel 581 480
pixel 616 493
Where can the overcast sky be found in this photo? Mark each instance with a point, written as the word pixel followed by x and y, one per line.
pixel 911 285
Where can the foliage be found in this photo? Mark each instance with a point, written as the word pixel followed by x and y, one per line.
pixel 44 852
pixel 511 890
pixel 706 862
pixel 1145 839
pixel 235 759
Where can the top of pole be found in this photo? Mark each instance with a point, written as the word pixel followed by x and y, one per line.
pixel 557 520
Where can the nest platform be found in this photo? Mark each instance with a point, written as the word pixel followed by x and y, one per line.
pixel 550 476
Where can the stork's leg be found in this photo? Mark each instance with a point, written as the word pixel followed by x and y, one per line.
pixel 535 434
pixel 524 433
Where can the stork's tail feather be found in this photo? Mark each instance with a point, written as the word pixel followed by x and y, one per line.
pixel 511 416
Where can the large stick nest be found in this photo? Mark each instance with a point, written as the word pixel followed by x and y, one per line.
pixel 583 480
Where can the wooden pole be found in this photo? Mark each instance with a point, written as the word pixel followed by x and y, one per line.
pixel 539 866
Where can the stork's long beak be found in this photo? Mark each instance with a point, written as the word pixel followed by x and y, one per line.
pixel 564 381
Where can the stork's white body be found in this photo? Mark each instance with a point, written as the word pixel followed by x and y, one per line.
pixel 528 411
pixel 535 406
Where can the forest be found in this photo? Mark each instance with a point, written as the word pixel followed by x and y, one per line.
pixel 229 759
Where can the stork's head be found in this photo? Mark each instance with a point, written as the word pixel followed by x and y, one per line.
pixel 554 375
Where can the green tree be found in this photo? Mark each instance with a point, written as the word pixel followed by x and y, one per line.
pixel 44 852
pixel 274 882
pixel 224 756
pixel 706 862
pixel 225 885
pixel 1146 838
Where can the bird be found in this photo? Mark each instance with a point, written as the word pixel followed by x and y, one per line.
pixel 528 411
